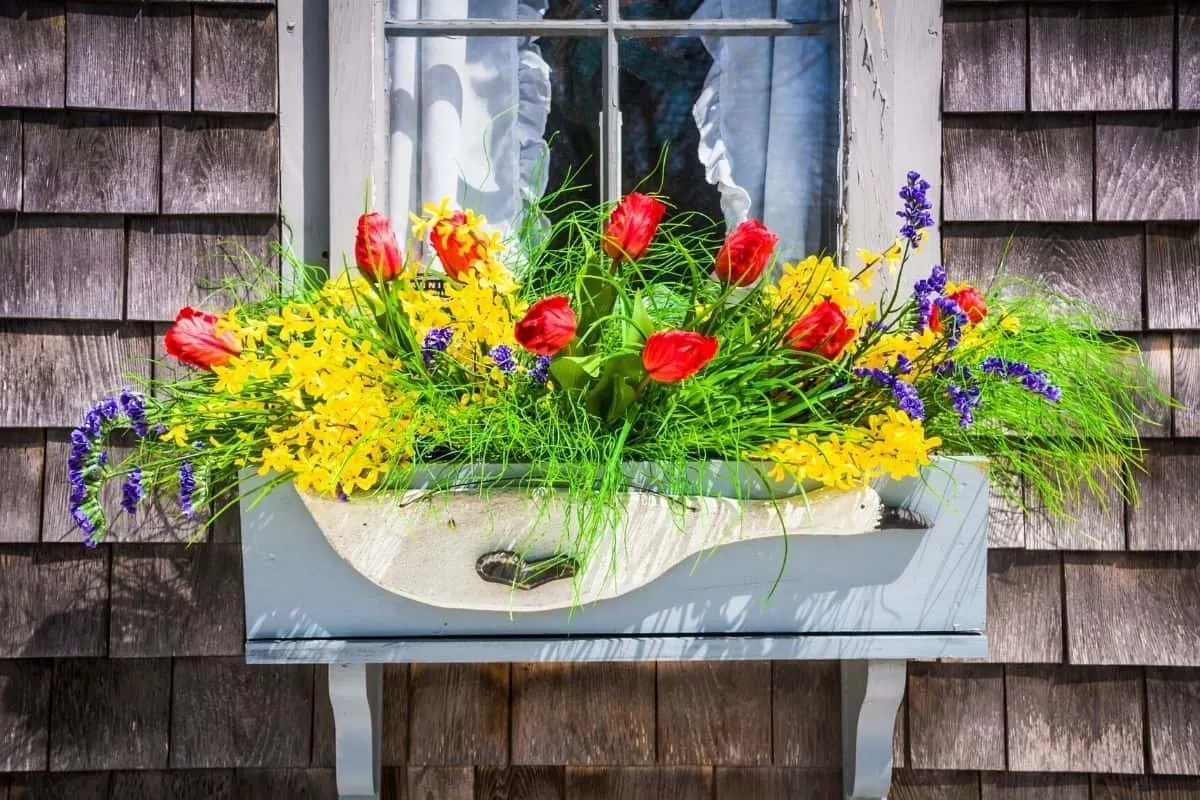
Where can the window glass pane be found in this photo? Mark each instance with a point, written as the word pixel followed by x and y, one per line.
pixel 474 119
pixel 495 9
pixel 798 10
pixel 750 126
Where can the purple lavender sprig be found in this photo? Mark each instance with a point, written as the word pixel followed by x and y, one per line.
pixel 907 398
pixel 953 320
pixel 916 208
pixel 966 400
pixel 436 341
pixel 924 292
pixel 1035 380
pixel 187 488
pixel 132 491
pixel 540 371
pixel 502 355
pixel 133 406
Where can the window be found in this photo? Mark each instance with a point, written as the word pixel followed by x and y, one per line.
pixel 801 112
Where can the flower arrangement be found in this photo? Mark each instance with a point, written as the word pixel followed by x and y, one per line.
pixel 619 335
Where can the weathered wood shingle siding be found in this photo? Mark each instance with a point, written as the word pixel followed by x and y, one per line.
pixel 139 154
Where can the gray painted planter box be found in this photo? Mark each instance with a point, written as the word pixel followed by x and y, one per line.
pixel 872 600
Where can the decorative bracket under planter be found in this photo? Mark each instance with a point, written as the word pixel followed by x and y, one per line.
pixel 872 601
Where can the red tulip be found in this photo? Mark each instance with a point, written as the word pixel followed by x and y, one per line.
pixel 823 330
pixel 457 245
pixel 547 327
pixel 375 248
pixel 195 340
pixel 745 253
pixel 670 356
pixel 969 300
pixel 631 226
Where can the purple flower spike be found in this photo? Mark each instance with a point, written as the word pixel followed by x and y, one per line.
pixel 1035 380
pixel 540 371
pixel 436 341
pixel 915 212
pixel 187 488
pixel 131 492
pixel 907 399
pixel 133 405
pixel 502 354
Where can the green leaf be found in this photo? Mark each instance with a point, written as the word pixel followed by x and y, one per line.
pixel 574 373
pixel 639 325
pixel 615 392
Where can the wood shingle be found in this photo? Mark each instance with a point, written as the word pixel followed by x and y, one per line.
pixel 178 261
pixel 714 713
pixel 1093 523
pixel 636 783
pixel 1101 59
pixel 53 601
pixel 1025 607
pixel 51 372
pixel 395 718
pixel 1173 720
pixel 235 60
pixel 1185 383
pixel 32 53
pixel 294 784
pixel 22 459
pixel 47 259
pixel 1124 787
pixel 956 716
pixel 129 57
pixel 735 783
pixel 1158 356
pixel 226 713
pixel 1188 55
pixel 194 784
pixel 198 588
pixel 1053 716
pixel 1133 608
pixel 583 713
pixel 1016 168
pixel 511 783
pixel 1037 786
pixel 60 786
pixel 458 714
pixel 1172 291
pixel 90 163
pixel 933 785
pixel 10 160
pixel 1165 517
pixel 436 783
pixel 109 714
pixel 983 59
pixel 220 165
pixel 1148 168
pixel 24 715
pixel 805 707
pixel 1103 263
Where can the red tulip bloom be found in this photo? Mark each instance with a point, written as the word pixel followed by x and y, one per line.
pixel 671 356
pixel 458 246
pixel 548 326
pixel 824 331
pixel 969 300
pixel 632 226
pixel 745 254
pixel 195 340
pixel 375 249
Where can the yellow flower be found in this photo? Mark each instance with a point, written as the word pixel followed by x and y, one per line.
pixel 177 435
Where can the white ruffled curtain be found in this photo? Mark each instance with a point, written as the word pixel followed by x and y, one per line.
pixel 768 120
pixel 468 114
pixel 469 117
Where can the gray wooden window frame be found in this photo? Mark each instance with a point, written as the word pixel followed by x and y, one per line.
pixel 334 106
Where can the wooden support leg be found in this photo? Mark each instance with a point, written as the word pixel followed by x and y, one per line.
pixel 871 694
pixel 356 693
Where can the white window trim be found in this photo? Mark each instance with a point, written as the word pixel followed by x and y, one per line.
pixel 333 50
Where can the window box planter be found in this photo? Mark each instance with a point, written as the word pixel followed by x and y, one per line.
pixel 872 599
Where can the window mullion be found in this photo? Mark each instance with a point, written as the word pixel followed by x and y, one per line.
pixel 611 115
